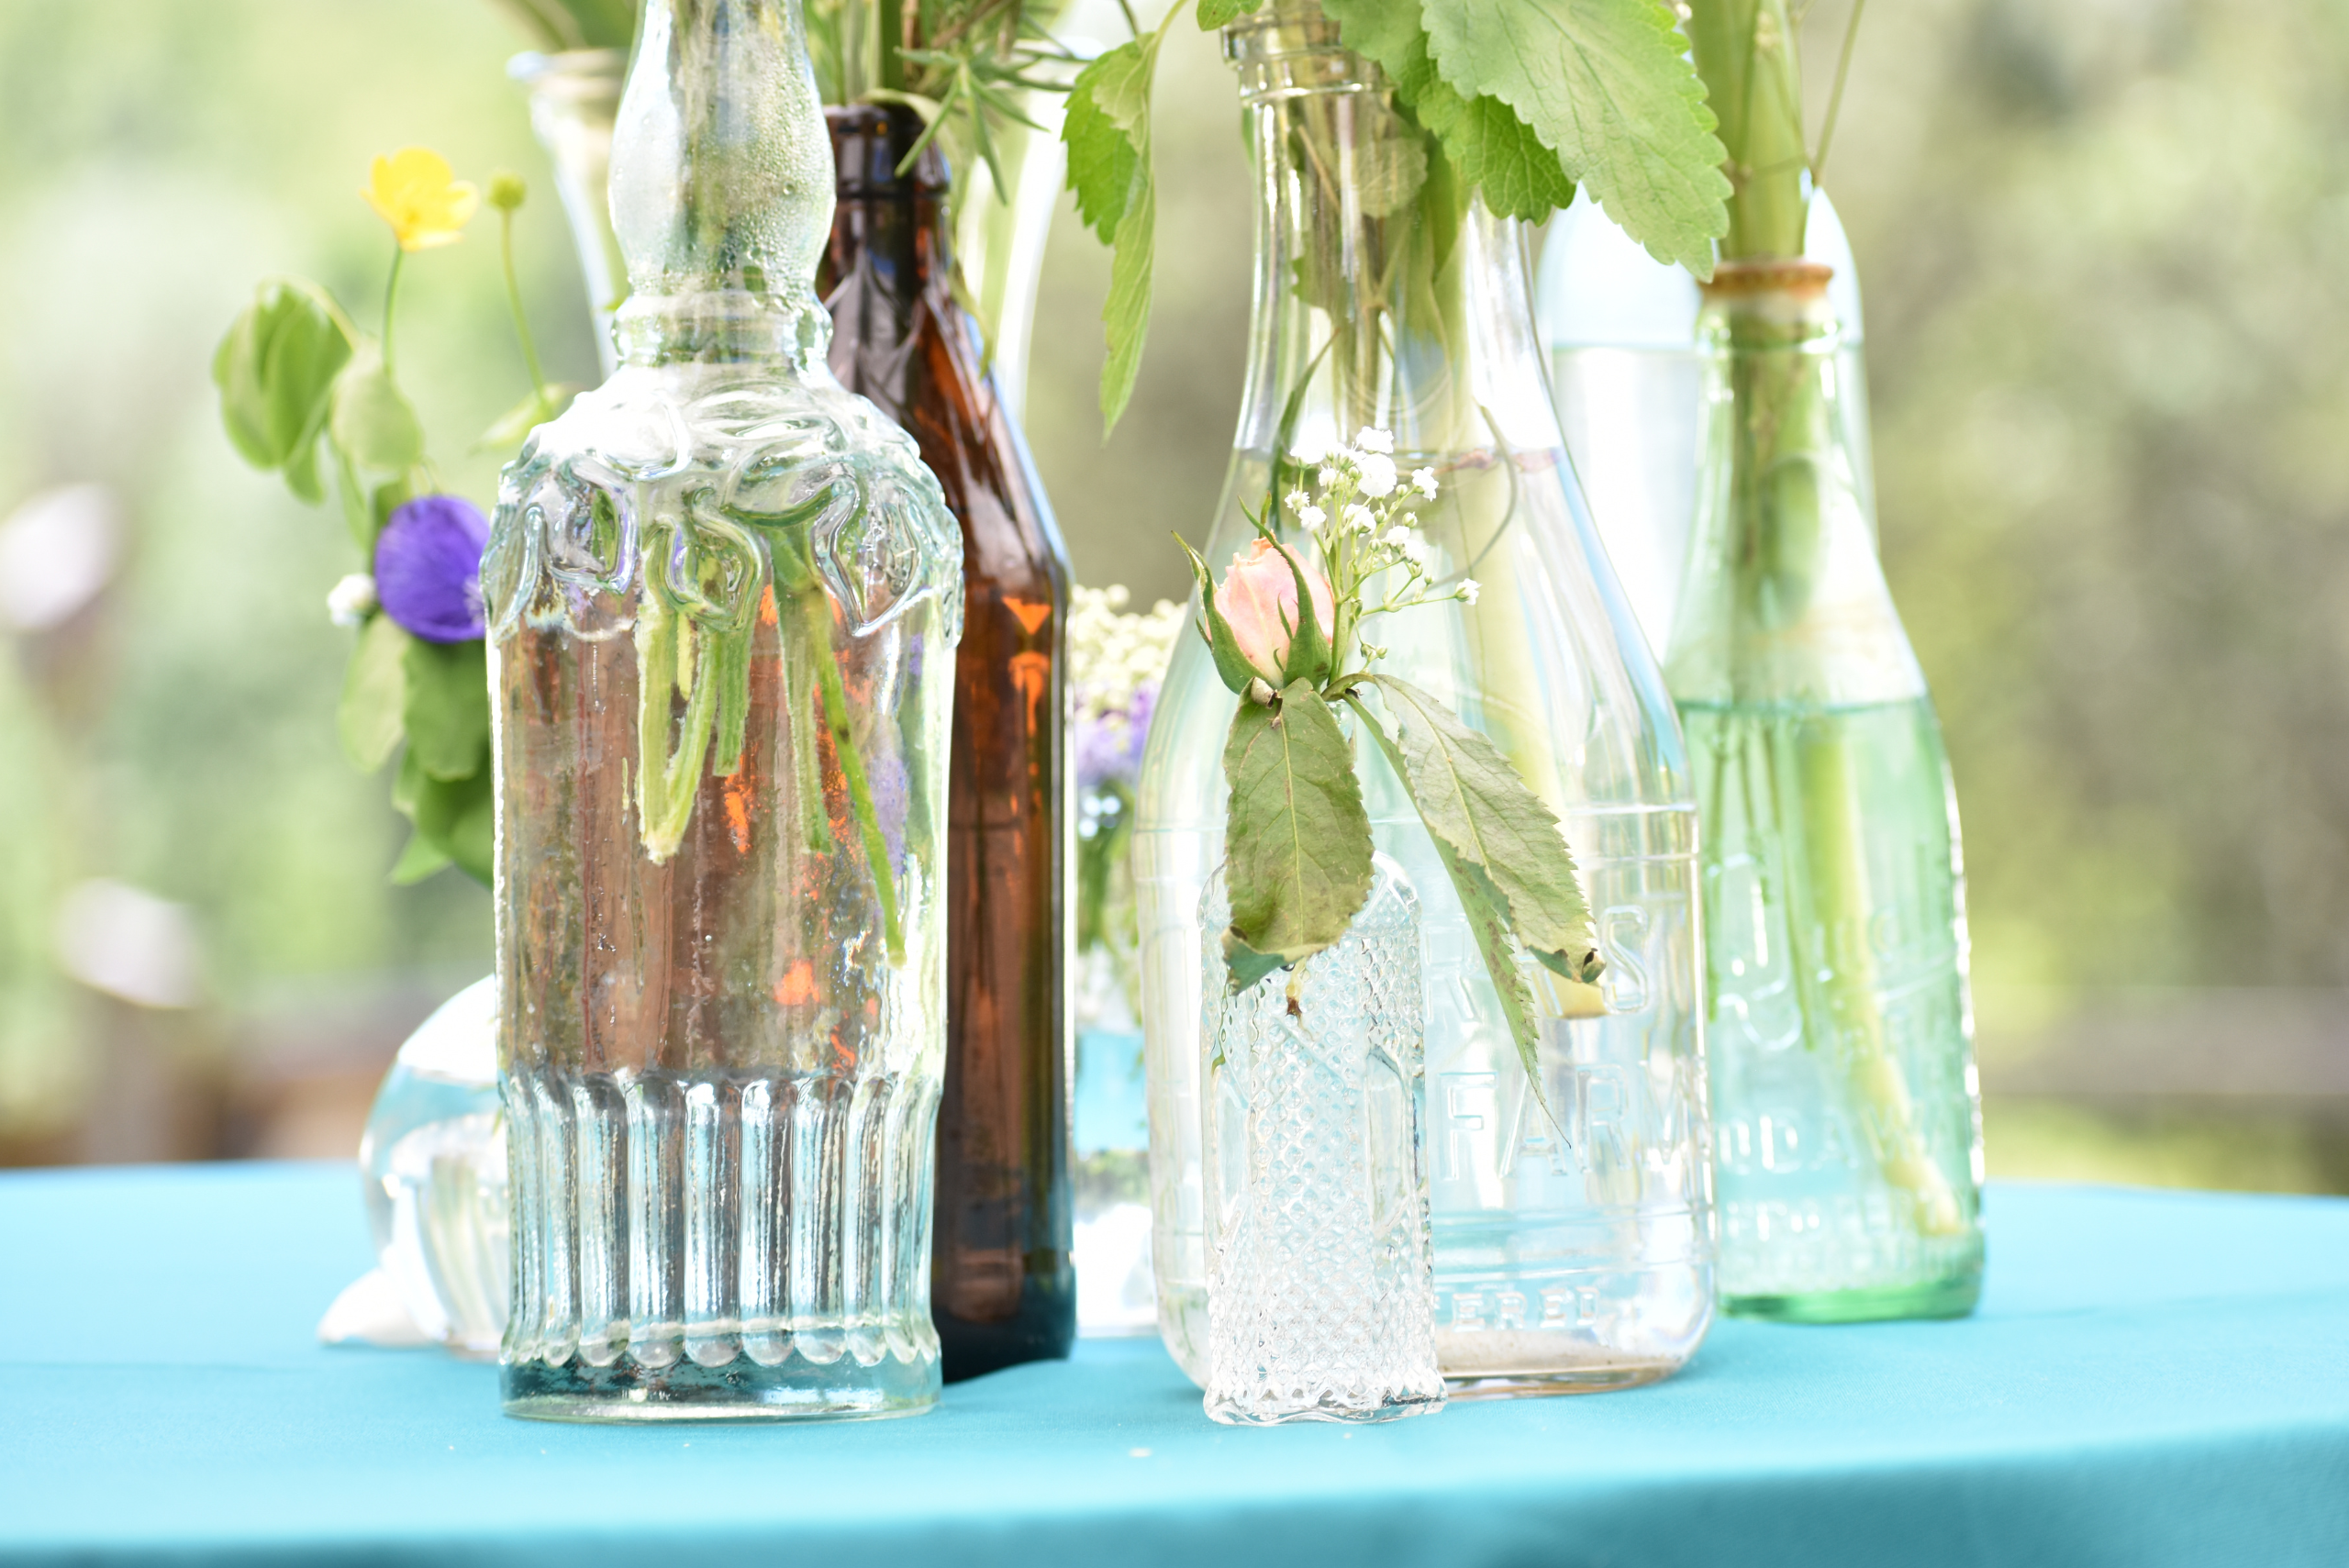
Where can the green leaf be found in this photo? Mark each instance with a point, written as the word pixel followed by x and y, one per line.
pixel 419 860
pixel 372 419
pixel 381 502
pixel 1107 133
pixel 374 693
pixel 1101 163
pixel 1497 152
pixel 452 816
pixel 446 711
pixel 1214 13
pixel 1296 839
pixel 274 370
pixel 1473 804
pixel 1606 85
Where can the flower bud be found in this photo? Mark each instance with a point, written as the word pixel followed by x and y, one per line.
pixel 1258 593
pixel 506 191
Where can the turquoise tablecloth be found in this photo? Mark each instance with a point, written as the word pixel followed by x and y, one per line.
pixel 2154 1379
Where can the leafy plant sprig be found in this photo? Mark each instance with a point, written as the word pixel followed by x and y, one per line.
pixel 1287 634
pixel 296 375
pixel 1523 98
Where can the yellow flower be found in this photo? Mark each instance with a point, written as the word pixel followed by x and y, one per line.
pixel 414 192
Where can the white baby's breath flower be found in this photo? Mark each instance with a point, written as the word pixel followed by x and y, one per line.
pixel 349 601
pixel 1327 476
pixel 1396 537
pixel 1468 590
pixel 1416 553
pixel 1375 440
pixel 1357 517
pixel 1424 479
pixel 1296 500
pixel 1312 517
pixel 1378 474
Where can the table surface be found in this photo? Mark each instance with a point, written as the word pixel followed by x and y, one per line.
pixel 2153 1379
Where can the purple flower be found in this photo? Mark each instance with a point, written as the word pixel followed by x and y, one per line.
pixel 427 568
pixel 1108 746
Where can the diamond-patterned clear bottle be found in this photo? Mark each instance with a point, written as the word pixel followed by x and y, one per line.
pixel 1321 1283
pixel 724 600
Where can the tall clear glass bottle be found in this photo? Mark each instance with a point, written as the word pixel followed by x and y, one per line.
pixel 1846 1116
pixel 724 597
pixel 1001 1289
pixel 1571 1250
pixel 574 96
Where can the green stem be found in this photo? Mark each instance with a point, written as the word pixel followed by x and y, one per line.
pixel 391 305
pixel 860 796
pixel 1745 53
pixel 513 303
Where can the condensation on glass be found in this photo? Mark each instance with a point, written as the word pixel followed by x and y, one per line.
pixel 724 598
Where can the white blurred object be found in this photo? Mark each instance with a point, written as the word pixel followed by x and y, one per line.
pixel 58 552
pixel 1621 328
pixel 369 1312
pixel 131 944
pixel 432 1163
pixel 1115 1292
pixel 351 599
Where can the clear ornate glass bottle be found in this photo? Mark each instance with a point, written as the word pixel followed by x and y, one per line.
pixel 1846 1119
pixel 1001 1289
pixel 724 599
pixel 1572 1252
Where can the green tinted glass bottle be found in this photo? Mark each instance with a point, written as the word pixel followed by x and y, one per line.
pixel 1847 1140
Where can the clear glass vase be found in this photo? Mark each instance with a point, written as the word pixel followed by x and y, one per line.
pixel 1321 1294
pixel 432 1163
pixel 1572 1248
pixel 573 97
pixel 724 598
pixel 1621 331
pixel 1846 1120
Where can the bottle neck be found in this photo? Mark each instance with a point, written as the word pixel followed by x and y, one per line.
pixel 1785 600
pixel 721 186
pixel 573 97
pixel 1382 296
pixel 890 246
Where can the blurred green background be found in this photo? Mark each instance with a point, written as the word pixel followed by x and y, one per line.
pixel 2106 253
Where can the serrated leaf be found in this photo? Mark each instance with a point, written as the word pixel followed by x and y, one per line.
pixel 1297 840
pixel 1214 13
pixel 372 419
pixel 1605 84
pixel 1488 923
pixel 1497 152
pixel 1389 174
pixel 1385 31
pixel 1231 666
pixel 446 708
pixel 275 369
pixel 1107 133
pixel 1473 802
pixel 374 693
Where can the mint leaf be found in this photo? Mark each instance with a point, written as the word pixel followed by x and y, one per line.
pixel 1386 32
pixel 1107 133
pixel 1102 158
pixel 1297 840
pixel 1473 802
pixel 374 690
pixel 274 370
pixel 1214 13
pixel 446 708
pixel 1496 152
pixel 372 420
pixel 1604 84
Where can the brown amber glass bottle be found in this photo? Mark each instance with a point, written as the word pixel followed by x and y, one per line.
pixel 1001 1289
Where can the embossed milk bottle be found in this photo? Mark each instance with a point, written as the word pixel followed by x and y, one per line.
pixel 1846 1119
pixel 724 600
pixel 1571 1244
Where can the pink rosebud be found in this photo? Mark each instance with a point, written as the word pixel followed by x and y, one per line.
pixel 1255 596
